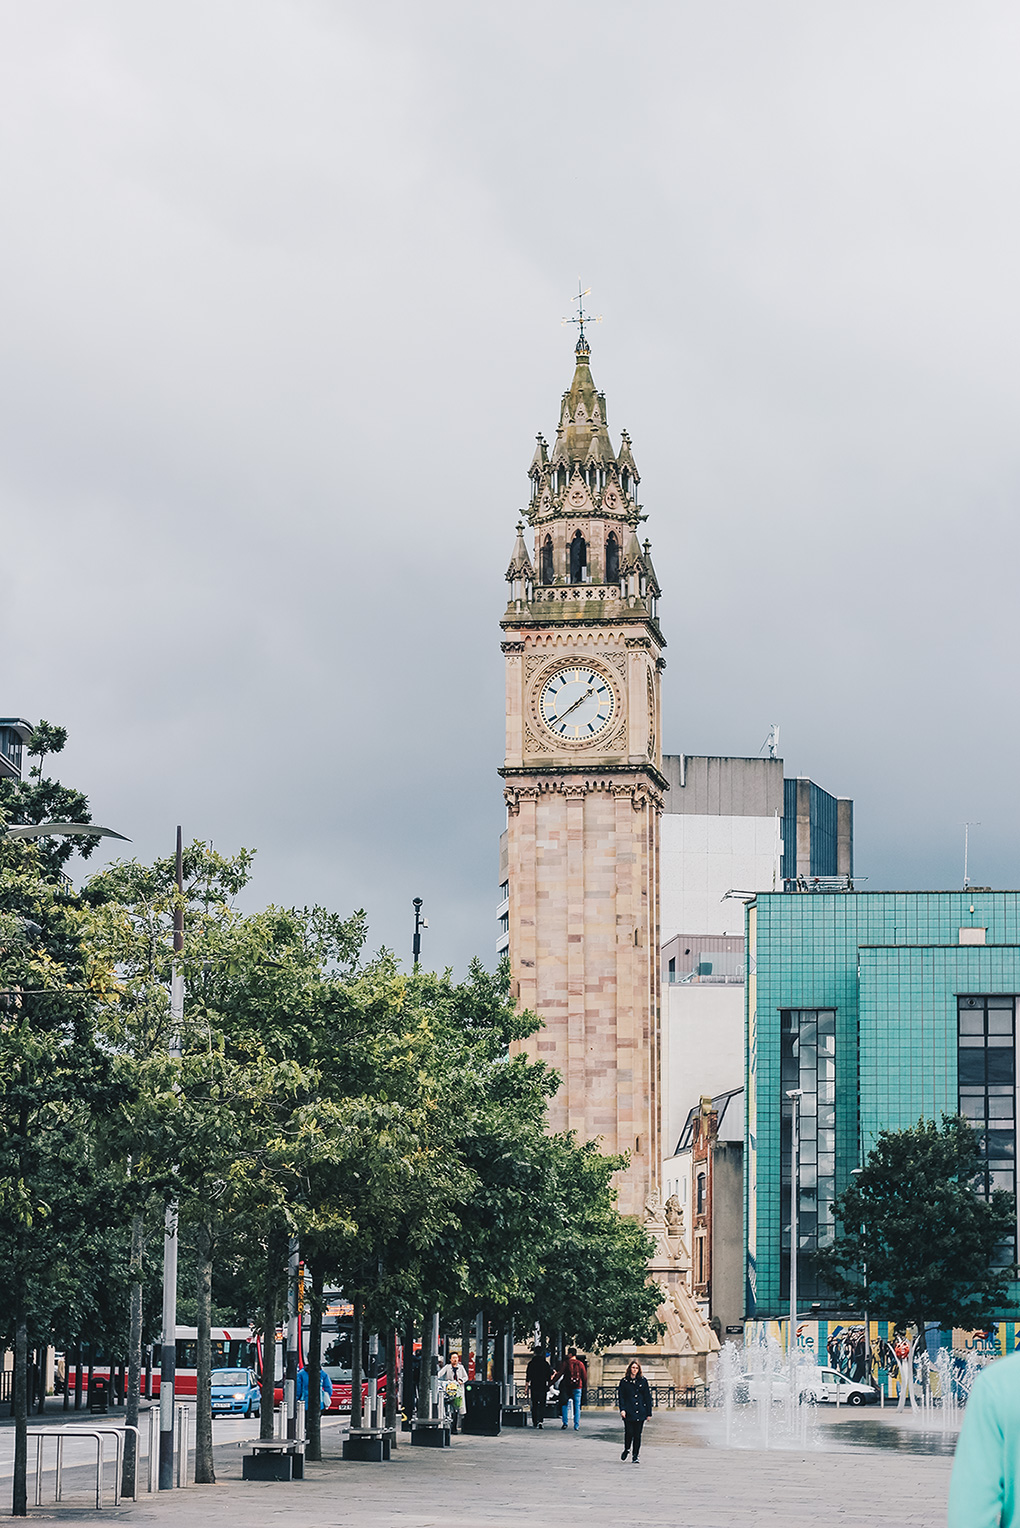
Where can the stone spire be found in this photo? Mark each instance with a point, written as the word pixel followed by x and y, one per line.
pixel 520 562
pixel 582 456
pixel 582 435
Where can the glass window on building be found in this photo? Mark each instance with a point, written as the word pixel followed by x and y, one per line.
pixel 986 1063
pixel 809 1063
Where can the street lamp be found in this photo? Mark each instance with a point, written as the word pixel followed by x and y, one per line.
pixel 61 830
pixel 419 924
pixel 795 1095
pixel 855 1172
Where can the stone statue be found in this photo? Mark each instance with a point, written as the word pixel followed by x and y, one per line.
pixel 653 1209
pixel 674 1216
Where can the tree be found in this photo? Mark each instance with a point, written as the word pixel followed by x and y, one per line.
pixel 918 1245
pixel 37 799
pixel 61 1192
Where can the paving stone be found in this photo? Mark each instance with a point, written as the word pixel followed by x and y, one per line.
pixel 577 1480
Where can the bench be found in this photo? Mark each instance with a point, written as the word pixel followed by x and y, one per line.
pixel 369 1445
pixel 430 1432
pixel 274 1459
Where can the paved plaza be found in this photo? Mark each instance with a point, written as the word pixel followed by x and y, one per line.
pixel 870 1470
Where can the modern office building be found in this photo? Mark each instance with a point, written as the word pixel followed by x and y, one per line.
pixel 731 827
pixel 15 732
pixel 884 1008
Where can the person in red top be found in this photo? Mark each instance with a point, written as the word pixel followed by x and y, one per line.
pixel 574 1387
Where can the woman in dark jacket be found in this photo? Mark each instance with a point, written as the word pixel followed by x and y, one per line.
pixel 635 1402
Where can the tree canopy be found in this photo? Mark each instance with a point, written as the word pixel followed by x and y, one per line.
pixel 917 1243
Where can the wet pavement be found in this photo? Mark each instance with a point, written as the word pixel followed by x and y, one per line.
pixel 872 1471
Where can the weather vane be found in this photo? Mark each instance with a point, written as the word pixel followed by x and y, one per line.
pixel 582 317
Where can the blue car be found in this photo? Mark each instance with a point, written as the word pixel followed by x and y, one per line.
pixel 235 1391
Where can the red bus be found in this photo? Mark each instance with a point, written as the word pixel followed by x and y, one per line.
pixel 233 1347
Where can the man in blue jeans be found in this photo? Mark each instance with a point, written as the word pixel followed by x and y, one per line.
pixel 575 1377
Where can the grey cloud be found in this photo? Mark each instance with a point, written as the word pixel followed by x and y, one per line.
pixel 280 291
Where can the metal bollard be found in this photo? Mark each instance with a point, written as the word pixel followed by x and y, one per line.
pixel 299 1420
pixel 181 1460
pixel 153 1455
pixel 279 1422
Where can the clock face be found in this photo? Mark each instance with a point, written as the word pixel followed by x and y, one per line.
pixel 577 703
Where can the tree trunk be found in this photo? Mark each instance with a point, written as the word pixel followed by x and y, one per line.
pixel 407 1377
pixel 465 1340
pixel 356 1327
pixel 79 1377
pixel 20 1506
pixel 128 1477
pixel 270 1298
pixel 425 1376
pixel 313 1363
pixel 391 1377
pixel 205 1474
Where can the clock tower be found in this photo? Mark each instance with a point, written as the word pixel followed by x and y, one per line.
pixel 583 785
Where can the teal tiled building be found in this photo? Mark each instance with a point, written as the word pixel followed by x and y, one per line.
pixel 883 1008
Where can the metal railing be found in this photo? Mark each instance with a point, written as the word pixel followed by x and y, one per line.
pixel 60 1435
pixel 669 1397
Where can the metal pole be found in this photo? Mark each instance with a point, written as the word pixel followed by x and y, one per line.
pixel 855 1172
pixel 966 852
pixel 290 1381
pixel 419 924
pixel 373 1382
pixel 794 1094
pixel 168 1358
pixel 434 1363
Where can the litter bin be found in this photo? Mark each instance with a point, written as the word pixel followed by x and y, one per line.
pixel 99 1393
pixel 483 1404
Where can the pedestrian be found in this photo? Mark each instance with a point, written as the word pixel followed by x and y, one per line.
pixel 538 1374
pixel 635 1402
pixel 576 1376
pixel 561 1388
pixel 325 1389
pixel 985 1484
pixel 452 1377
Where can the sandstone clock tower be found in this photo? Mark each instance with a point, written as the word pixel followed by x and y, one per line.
pixel 584 785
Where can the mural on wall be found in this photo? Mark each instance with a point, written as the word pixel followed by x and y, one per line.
pixel 841 1345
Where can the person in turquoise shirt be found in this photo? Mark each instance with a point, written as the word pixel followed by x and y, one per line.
pixel 986 1470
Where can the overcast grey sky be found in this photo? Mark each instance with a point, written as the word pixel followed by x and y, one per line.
pixel 280 300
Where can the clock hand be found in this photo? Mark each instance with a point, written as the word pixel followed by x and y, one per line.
pixel 579 702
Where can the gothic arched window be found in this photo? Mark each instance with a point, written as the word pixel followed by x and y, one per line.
pixel 546 561
pixel 578 559
pixel 612 559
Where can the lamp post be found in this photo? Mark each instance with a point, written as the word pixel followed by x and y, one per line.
pixel 794 1095
pixel 419 924
pixel 855 1172
pixel 61 830
pixel 168 1351
pixel 293 1337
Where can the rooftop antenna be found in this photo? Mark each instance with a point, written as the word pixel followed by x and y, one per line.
pixel 582 317
pixel 772 742
pixel 966 850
